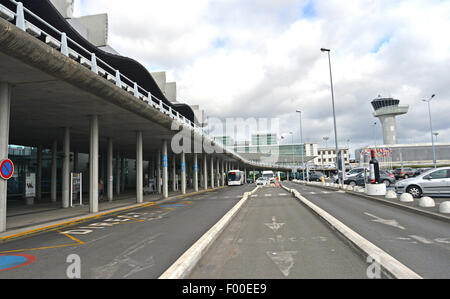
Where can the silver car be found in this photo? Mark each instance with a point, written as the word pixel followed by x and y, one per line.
pixel 435 182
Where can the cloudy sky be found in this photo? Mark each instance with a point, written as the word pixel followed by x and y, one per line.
pixel 261 58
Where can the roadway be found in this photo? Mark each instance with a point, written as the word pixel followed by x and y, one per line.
pixel 140 243
pixel 419 242
pixel 275 237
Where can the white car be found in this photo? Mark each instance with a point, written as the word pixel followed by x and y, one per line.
pixel 262 181
pixel 435 182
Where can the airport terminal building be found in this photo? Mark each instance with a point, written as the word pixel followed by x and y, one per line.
pixel 398 155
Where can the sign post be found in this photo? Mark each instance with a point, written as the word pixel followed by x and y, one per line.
pixel 76 182
pixel 6 169
pixel 30 188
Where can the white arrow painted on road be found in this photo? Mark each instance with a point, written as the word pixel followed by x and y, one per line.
pixel 283 259
pixel 275 226
pixel 392 222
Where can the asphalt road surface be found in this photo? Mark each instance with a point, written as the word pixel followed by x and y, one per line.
pixel 275 237
pixel 141 243
pixel 419 242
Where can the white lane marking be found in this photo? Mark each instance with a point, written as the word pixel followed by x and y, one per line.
pixel 283 259
pixel 421 239
pixel 392 222
pixel 443 240
pixel 275 226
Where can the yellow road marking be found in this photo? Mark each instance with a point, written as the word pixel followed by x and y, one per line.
pixel 78 242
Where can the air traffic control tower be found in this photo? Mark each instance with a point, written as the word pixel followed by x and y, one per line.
pixel 387 109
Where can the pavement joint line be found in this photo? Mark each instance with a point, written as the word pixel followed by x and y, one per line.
pixel 184 265
pixel 80 219
pixel 391 267
pixel 394 204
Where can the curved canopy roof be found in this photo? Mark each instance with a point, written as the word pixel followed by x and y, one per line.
pixel 127 66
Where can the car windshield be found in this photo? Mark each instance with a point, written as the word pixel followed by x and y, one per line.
pixel 354 171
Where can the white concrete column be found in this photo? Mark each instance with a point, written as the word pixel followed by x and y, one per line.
pixel 195 172
pixel 139 169
pixel 118 174
pixel 183 173
pixel 222 168
pixel 158 172
pixel 205 172
pixel 93 165
pixel 217 172
pixel 5 108
pixel 212 173
pixel 109 170
pixel 66 169
pixel 54 178
pixel 174 172
pixel 165 173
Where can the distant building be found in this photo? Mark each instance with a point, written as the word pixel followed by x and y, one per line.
pixel 420 155
pixel 264 139
pixel 225 140
pixel 327 157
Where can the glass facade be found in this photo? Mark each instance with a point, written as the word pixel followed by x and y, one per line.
pixel 264 139
pixel 25 161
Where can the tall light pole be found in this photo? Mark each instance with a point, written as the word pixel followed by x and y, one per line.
pixel 301 142
pixel 334 113
pixel 326 147
pixel 431 129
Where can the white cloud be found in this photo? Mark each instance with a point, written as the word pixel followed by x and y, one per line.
pixel 245 58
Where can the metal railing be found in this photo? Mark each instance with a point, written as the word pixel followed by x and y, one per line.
pixel 75 51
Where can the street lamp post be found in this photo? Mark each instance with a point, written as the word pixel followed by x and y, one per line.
pixel 303 146
pixel 334 113
pixel 326 147
pixel 428 101
pixel 293 151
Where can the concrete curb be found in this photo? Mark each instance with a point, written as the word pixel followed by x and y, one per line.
pixel 54 225
pixel 389 266
pixel 186 263
pixel 394 204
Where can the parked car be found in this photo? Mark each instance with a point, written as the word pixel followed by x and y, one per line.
pixel 404 173
pixel 435 182
pixel 358 180
pixel 314 176
pixel 351 173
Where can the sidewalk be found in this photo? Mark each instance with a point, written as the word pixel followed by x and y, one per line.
pixel 44 215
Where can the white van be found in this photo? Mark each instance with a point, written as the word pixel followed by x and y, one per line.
pixel 269 175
